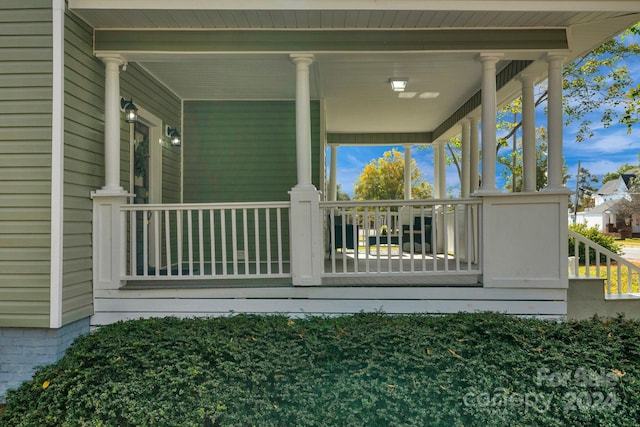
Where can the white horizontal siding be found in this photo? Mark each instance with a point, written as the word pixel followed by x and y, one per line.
pixel 25 162
pixel 111 306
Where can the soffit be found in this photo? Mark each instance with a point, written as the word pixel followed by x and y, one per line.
pixel 332 19
pixel 354 85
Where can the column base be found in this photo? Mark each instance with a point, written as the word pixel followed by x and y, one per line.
pixel 306 236
pixel 488 192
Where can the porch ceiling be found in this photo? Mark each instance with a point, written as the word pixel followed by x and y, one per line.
pixel 354 84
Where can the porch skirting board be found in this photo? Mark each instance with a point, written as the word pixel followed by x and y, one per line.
pixel 112 306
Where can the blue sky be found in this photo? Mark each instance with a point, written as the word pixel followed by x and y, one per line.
pixel 607 150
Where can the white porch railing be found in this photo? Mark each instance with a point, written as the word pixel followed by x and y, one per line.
pixel 205 241
pixel 621 275
pixel 402 237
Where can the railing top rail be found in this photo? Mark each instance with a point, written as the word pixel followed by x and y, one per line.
pixel 412 202
pixel 196 206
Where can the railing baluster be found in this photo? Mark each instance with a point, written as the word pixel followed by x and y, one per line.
pixel 356 240
pixel 167 240
pixel 201 241
pixel 245 241
pixel 256 227
pixel 180 226
pixel 190 239
pixel 212 241
pixel 156 241
pixel 378 225
pixel 445 236
pixel 279 224
pixel 133 218
pixel 223 240
pixel 366 225
pixel 145 243
pixel 456 237
pixel 267 224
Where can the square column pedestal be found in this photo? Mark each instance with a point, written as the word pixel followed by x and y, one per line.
pixel 525 240
pixel 306 237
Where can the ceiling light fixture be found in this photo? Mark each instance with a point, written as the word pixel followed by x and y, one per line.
pixel 429 95
pixel 398 84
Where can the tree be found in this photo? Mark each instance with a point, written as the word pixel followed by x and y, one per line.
pixel 341 195
pixel 585 184
pixel 610 176
pixel 383 179
pixel 513 165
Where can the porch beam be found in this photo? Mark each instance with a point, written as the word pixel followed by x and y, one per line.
pixel 330 41
pixel 379 138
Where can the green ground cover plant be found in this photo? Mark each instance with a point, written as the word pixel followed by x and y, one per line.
pixel 368 369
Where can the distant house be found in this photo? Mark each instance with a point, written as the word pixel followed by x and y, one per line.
pixel 604 214
pixel 616 189
pixel 214 198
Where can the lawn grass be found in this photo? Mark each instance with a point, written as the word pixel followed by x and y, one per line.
pixel 613 287
pixel 362 370
pixel 629 242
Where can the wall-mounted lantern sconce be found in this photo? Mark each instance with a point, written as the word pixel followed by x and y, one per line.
pixel 130 110
pixel 174 136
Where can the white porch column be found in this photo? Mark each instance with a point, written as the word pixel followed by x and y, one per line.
pixel 466 159
pixel 305 234
pixel 112 123
pixel 436 169
pixel 407 172
pixel 474 156
pixel 303 120
pixel 528 134
pixel 489 61
pixel 441 182
pixel 333 184
pixel 554 124
pixel 109 252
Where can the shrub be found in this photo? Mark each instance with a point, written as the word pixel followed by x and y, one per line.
pixel 368 369
pixel 593 234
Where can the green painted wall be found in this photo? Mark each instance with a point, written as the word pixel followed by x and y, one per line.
pixel 243 151
pixel 25 161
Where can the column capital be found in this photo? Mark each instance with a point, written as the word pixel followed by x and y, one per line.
pixel 491 57
pixel 555 57
pixel 302 58
pixel 527 78
pixel 110 58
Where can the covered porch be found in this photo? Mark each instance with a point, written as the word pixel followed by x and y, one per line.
pixel 296 249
